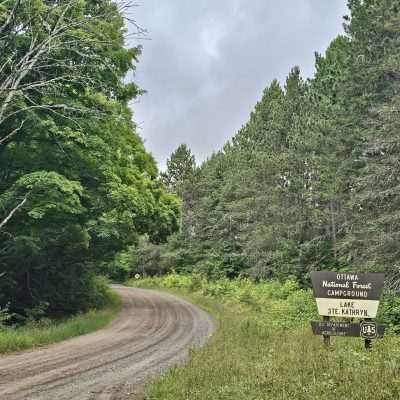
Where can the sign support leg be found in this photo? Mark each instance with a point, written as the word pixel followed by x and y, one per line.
pixel 368 342
pixel 327 338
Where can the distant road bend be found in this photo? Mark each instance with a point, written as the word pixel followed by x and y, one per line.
pixel 153 331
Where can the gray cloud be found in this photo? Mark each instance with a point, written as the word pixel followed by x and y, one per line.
pixel 208 62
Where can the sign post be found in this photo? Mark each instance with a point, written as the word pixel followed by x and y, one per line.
pixel 347 295
pixel 327 338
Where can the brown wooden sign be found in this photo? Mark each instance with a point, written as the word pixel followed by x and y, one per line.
pixel 364 329
pixel 348 295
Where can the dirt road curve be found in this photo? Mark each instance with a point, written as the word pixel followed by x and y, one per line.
pixel 153 331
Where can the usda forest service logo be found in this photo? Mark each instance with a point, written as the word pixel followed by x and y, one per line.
pixel 368 330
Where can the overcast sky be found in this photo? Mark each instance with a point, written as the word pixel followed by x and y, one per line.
pixel 208 61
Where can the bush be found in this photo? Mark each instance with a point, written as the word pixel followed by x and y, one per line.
pixel 100 293
pixel 389 311
pixel 4 316
pixel 286 302
pixel 301 306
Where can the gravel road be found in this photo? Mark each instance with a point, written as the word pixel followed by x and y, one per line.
pixel 153 331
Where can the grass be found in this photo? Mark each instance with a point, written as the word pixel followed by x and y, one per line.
pixel 257 353
pixel 38 335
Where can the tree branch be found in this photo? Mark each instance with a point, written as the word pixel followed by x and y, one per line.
pixel 12 133
pixel 13 211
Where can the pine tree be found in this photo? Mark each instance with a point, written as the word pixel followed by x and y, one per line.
pixel 181 166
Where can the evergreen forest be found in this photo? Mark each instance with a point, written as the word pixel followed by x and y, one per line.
pixel 311 181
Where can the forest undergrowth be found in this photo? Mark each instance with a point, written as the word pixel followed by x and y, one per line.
pixel 35 333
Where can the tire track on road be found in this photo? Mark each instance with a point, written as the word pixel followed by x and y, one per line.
pixel 153 331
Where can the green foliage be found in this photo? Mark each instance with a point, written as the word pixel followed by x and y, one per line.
pixel 45 331
pixel 146 259
pixel 389 311
pixel 181 167
pixel 264 349
pixel 4 316
pixel 49 193
pixel 77 187
pixel 262 361
pixel 311 180
pixel 287 303
pixel 272 297
pixel 120 268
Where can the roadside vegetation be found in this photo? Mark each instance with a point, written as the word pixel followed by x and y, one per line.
pixel 264 348
pixel 44 331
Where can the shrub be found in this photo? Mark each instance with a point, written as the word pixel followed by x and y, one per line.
pixel 389 311
pixel 4 316
pixel 286 302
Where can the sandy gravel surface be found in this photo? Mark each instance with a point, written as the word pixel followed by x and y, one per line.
pixel 153 331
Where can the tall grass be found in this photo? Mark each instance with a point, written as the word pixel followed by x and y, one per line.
pixel 40 334
pixel 264 349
